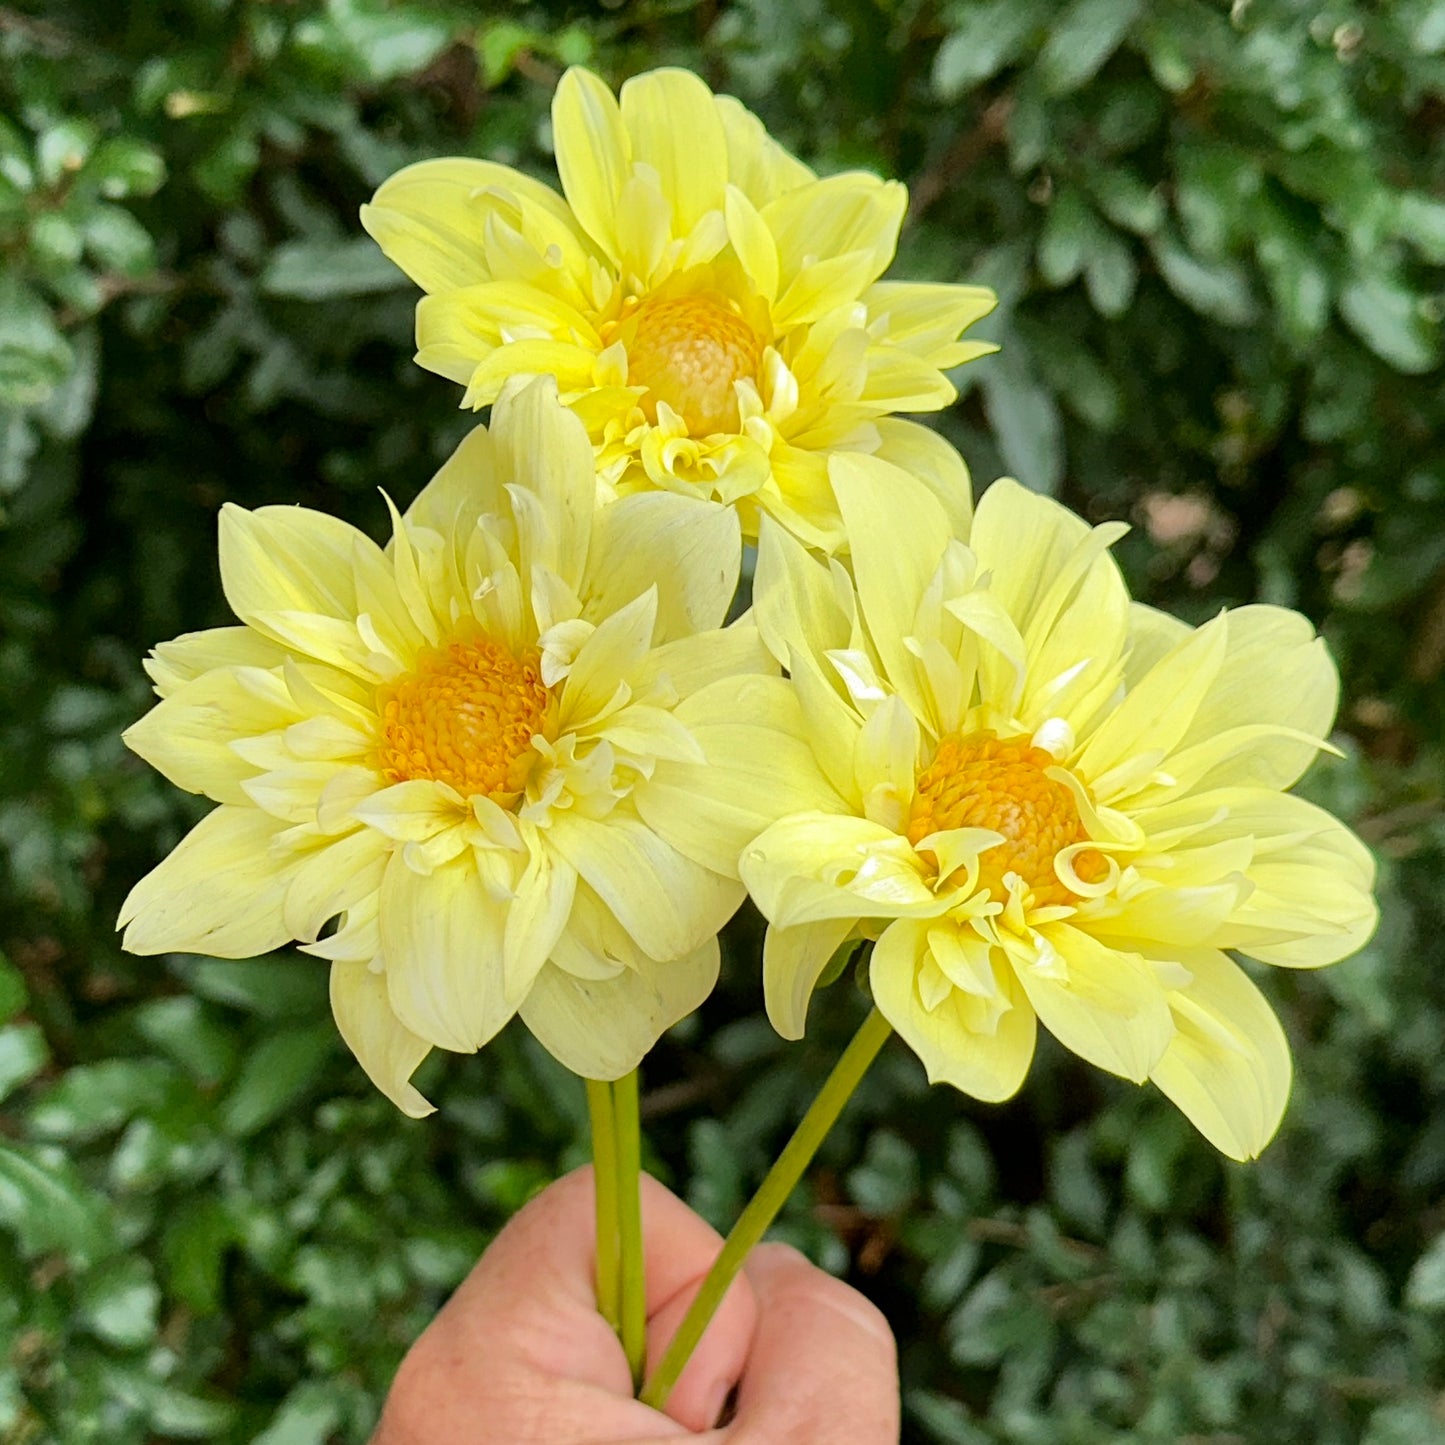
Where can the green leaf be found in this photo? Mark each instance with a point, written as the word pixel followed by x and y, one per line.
pixel 1216 289
pixel 61 149
pixel 194 1246
pixel 89 1100
pixel 498 46
pixel 1127 201
pixel 1082 39
pixel 1425 1289
pixel 45 1202
pixel 1110 275
pixel 270 988
pixel 124 167
pixel 1026 421
pixel 55 240
pixel 986 38
pixel 23 1053
pixel 1067 233
pixel 1386 316
pixel 119 242
pixel 1420 220
pixel 119 1301
pixel 13 993
pixel 309 1416
pixel 276 1074
pixel 323 270
pixel 34 357
pixel 185 1030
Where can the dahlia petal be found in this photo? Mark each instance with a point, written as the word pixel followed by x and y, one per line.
pixel 594 153
pixel 219 891
pixel 388 1051
pixel 674 127
pixel 794 600
pixel 898 381
pixel 898 532
pixel 441 939
pixel 688 664
pixel 173 664
pixel 1108 1008
pixel 757 164
pixel 923 454
pixel 536 916
pixel 989 1064
pixel 926 317
pixel 793 962
pixel 691 550
pixel 850 212
pixel 668 904
pixel 1227 1066
pixel 752 242
pixel 332 878
pixel 602 1028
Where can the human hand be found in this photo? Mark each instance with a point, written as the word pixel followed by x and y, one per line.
pixel 520 1355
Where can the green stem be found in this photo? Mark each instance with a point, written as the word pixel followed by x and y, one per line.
pixel 629 1207
pixel 762 1209
pixel 604 1171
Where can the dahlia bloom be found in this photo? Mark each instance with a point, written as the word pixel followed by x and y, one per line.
pixel 440 746
pixel 711 309
pixel 1045 803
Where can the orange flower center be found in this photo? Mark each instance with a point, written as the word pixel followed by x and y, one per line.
pixel 981 781
pixel 465 716
pixel 688 351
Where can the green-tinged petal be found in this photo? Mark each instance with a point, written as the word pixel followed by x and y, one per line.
pixel 897 533
pixel 1228 1065
pixel 667 903
pixel 1105 1005
pixel 188 736
pixel 982 1047
pixel 795 599
pixel 388 1051
pixel 602 1028
pixel 813 866
pixel 594 156
pixel 691 550
pixel 173 664
pixel 219 892
pixel 674 127
pixel 441 938
pixel 927 317
pixel 922 453
pixel 793 962
pixel 752 242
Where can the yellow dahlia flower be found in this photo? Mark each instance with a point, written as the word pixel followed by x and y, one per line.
pixel 1046 803
pixel 441 745
pixel 710 307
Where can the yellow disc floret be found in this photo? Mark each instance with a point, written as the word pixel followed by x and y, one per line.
pixel 688 351
pixel 980 781
pixel 465 716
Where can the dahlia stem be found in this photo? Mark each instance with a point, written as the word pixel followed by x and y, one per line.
pixel 629 1208
pixel 604 1172
pixel 763 1208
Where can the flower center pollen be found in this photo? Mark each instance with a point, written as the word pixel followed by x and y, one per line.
pixel 688 351
pixel 465 716
pixel 980 781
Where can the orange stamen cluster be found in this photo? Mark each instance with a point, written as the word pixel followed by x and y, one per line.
pixel 688 351
pixel 466 717
pixel 981 781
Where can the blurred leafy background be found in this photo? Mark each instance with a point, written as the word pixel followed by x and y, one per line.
pixel 1218 235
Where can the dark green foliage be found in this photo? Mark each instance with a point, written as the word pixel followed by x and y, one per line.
pixel 1217 234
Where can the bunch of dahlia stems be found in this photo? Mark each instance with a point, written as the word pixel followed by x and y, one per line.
pixel 519 762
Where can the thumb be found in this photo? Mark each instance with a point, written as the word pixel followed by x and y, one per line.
pixel 823 1366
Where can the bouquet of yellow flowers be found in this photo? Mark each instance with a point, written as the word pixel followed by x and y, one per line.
pixel 518 762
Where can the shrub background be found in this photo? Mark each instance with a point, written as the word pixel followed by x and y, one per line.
pixel 1217 235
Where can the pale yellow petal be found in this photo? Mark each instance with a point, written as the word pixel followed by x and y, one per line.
pixel 673 125
pixel 927 317
pixel 752 242
pixel 602 1028
pixel 795 600
pixel 667 903
pixel 465 487
pixel 985 1063
pixel 604 661
pixel 329 880
pixel 850 212
pixel 688 664
pixel 594 157
pixel 536 916
pixel 689 548
pixel 1227 1065
pixel 1105 1005
pixel 922 453
pixel 188 736
pixel 173 664
pixel 897 531
pixel 441 939
pixel 219 891
pixel 757 164
pixel 388 1051
pixel 793 962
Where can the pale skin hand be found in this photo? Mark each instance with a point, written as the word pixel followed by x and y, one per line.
pixel 520 1356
